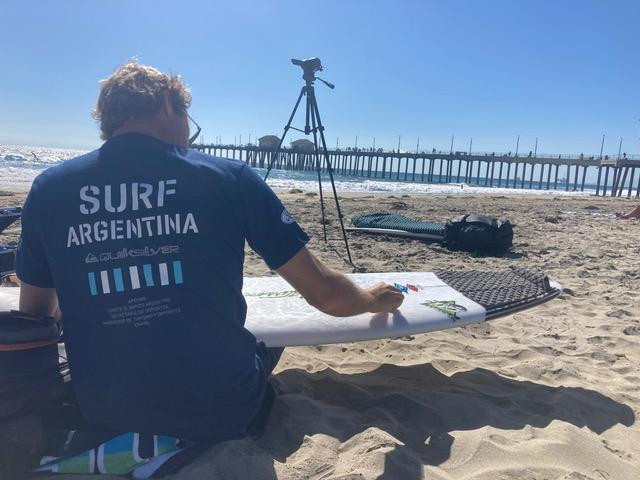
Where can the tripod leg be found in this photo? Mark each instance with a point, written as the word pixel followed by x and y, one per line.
pixel 303 91
pixel 317 161
pixel 314 105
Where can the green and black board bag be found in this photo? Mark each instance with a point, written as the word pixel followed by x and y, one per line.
pixel 480 234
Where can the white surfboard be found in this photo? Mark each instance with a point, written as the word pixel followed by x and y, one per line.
pixel 9 297
pixel 279 316
pixel 396 233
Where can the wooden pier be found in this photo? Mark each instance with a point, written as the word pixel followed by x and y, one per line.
pixel 623 173
pixel 561 172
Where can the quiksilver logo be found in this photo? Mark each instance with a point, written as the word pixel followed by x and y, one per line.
pixel 286 217
pixel 126 253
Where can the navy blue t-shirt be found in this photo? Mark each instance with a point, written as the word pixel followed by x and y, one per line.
pixel 144 244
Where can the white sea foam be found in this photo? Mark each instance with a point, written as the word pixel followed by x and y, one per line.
pixel 20 164
pixel 407 188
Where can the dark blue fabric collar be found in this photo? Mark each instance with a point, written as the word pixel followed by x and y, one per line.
pixel 138 141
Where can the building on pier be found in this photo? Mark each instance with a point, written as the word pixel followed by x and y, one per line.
pixel 302 145
pixel 269 142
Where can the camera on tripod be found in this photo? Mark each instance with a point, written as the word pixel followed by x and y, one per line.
pixel 314 126
pixel 310 66
pixel 313 64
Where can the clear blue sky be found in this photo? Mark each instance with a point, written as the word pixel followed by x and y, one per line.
pixel 564 71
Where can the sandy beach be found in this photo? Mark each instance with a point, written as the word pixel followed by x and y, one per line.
pixel 549 393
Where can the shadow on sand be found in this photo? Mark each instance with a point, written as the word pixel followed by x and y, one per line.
pixel 419 406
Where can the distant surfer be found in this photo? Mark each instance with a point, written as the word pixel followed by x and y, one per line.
pixel 141 243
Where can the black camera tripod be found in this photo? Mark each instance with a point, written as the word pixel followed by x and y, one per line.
pixel 310 66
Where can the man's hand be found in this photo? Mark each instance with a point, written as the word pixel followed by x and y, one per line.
pixel 332 292
pixel 385 298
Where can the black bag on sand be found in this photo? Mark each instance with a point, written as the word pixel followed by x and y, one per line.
pixel 7 259
pixel 32 387
pixel 479 234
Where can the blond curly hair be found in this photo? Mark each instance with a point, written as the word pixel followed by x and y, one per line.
pixel 137 91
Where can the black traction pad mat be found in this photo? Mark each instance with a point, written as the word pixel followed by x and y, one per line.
pixel 502 292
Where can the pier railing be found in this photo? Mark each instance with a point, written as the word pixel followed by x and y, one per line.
pixel 489 169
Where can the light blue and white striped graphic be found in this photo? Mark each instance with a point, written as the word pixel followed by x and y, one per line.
pixel 177 272
pixel 92 283
pixel 104 279
pixel 135 279
pixel 164 274
pixel 147 275
pixel 117 276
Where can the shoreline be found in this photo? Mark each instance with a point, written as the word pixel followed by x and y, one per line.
pixel 480 191
pixel 454 191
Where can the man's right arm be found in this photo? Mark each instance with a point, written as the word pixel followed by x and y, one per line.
pixel 279 240
pixel 334 293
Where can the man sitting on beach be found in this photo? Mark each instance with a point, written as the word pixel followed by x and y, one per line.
pixel 141 243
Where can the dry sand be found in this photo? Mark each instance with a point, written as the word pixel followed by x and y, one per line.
pixel 549 393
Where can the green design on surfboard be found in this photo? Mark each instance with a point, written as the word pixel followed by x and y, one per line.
pixel 281 294
pixel 448 307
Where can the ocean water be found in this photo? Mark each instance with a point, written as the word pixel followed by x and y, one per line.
pixel 19 165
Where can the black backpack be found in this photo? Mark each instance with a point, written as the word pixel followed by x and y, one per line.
pixel 7 259
pixel 32 386
pixel 479 234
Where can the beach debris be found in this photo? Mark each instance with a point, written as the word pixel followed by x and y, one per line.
pixel 619 313
pixel 399 206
